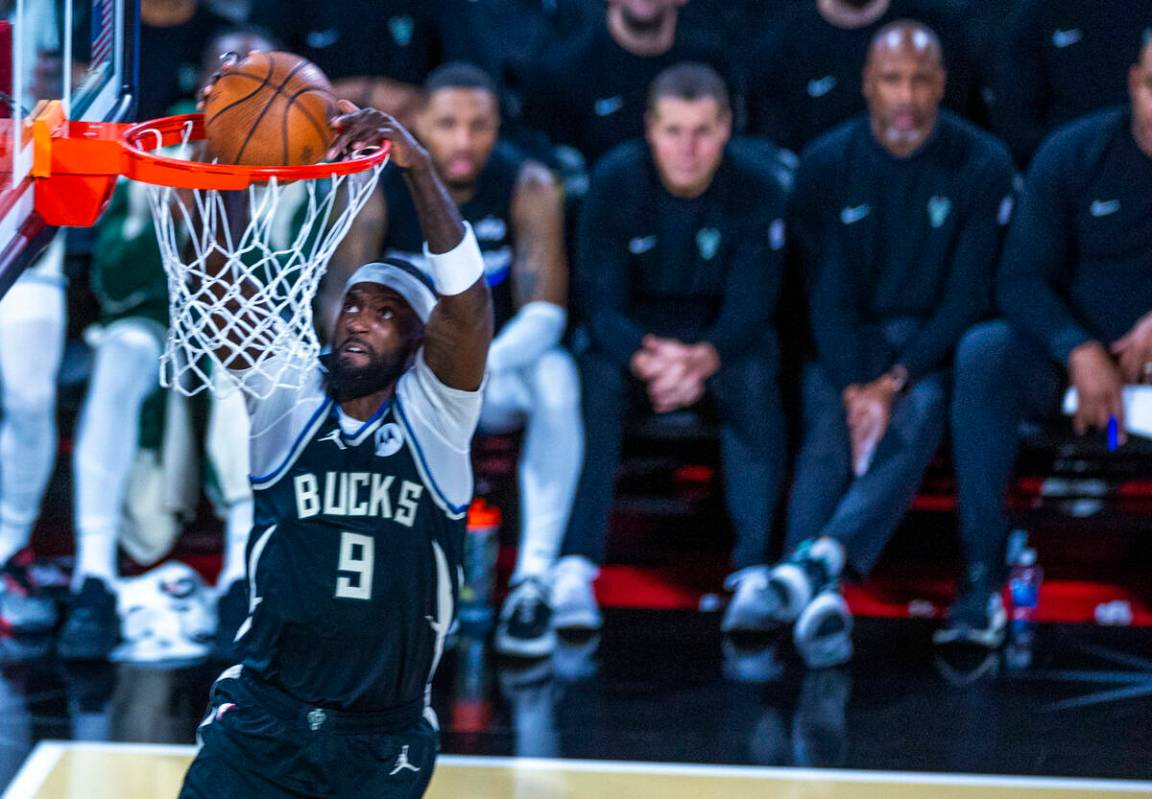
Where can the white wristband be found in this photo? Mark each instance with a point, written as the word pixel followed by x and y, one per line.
pixel 456 270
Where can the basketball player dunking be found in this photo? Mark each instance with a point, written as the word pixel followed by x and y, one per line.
pixel 361 480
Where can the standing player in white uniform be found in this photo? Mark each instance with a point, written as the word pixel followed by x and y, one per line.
pixel 33 320
pixel 361 479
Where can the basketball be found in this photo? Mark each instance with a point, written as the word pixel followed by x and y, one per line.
pixel 271 109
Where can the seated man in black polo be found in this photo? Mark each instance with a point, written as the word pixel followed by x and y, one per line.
pixel 1075 286
pixel 899 215
pixel 678 270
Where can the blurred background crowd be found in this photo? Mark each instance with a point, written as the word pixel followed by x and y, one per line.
pixel 836 234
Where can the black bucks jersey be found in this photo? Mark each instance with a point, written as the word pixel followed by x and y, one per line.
pixel 489 211
pixel 354 557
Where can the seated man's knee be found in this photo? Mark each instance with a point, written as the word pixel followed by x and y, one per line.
pixel 985 349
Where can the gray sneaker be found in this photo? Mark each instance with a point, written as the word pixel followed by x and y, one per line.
pixel 525 626
pixel 573 600
pixel 769 597
pixel 823 632
pixel 757 604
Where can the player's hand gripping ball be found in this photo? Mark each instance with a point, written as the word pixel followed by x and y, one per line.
pixel 361 129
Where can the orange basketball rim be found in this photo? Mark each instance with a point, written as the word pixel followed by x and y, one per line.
pixel 76 164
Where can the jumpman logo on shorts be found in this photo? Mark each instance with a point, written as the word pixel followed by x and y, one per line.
pixel 402 763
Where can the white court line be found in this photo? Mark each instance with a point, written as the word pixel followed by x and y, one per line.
pixel 40 763
pixel 35 770
pixel 796 774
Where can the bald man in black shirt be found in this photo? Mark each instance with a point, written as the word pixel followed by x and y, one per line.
pixel 1075 286
pixel 678 271
pixel 899 216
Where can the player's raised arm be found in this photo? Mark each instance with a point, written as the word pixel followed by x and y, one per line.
pixel 459 331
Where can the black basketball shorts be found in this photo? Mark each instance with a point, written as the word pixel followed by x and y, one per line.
pixel 254 744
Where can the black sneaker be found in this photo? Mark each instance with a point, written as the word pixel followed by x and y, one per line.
pixel 25 609
pixel 231 612
pixel 525 627
pixel 92 628
pixel 977 618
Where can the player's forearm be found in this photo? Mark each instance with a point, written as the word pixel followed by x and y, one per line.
pixel 439 218
pixel 459 331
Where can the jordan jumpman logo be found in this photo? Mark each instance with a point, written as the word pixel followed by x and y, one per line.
pixel 402 763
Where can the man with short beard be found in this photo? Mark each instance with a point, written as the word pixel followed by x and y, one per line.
pixel 899 215
pixel 590 95
pixel 361 480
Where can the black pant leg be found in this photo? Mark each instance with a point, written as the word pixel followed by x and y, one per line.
pixel 604 390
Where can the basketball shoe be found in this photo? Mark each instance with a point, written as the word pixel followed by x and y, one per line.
pixel 573 600
pixel 977 617
pixel 24 607
pixel 766 598
pixel 92 627
pixel 823 631
pixel 525 626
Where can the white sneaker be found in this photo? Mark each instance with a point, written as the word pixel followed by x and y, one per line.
pixel 573 600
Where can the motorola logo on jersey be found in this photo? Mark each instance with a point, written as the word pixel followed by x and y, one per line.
pixel 389 440
pixel 357 494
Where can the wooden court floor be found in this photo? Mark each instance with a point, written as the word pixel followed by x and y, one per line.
pixel 64 770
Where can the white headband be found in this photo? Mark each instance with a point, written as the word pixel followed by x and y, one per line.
pixel 403 282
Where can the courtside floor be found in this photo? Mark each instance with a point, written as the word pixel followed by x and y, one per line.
pixel 65 770
pixel 659 707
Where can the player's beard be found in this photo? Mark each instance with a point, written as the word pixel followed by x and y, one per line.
pixel 344 383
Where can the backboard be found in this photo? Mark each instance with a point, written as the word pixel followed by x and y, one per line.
pixel 82 52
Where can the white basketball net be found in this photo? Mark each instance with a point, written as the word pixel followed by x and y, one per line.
pixel 242 301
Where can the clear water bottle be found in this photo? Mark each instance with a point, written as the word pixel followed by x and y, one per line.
pixel 481 544
pixel 1024 585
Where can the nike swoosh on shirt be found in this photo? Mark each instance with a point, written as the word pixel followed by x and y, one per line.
pixel 1104 207
pixel 608 105
pixel 853 214
pixel 1062 39
pixel 641 245
pixel 318 40
pixel 818 87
